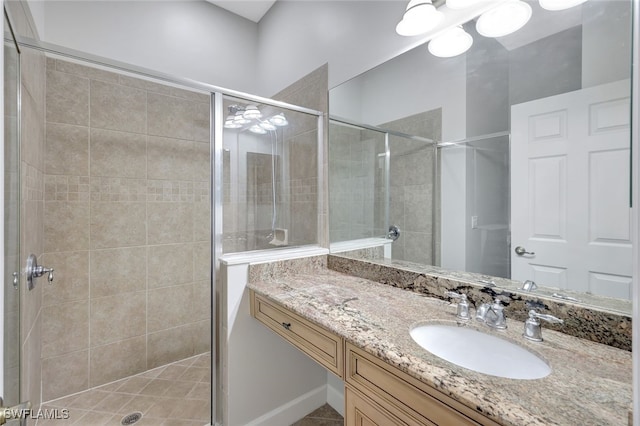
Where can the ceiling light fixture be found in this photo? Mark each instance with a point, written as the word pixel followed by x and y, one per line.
pixel 420 17
pixel 559 4
pixel 452 42
pixel 504 19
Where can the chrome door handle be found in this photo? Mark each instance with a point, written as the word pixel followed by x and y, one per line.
pixel 521 251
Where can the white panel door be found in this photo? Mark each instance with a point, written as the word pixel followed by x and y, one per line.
pixel 570 180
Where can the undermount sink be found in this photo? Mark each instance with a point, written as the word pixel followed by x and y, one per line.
pixel 481 352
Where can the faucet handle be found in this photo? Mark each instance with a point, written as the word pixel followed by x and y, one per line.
pixel 532 327
pixel 549 318
pixel 462 311
pixel 529 285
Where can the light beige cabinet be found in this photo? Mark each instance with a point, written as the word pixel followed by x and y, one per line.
pixel 376 393
pixel 323 346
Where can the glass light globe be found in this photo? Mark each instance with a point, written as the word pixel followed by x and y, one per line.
pixel 504 19
pixel 420 17
pixel 559 4
pixel 453 42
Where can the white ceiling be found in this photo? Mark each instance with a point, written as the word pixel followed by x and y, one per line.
pixel 253 10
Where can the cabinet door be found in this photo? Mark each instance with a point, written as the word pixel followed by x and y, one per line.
pixel 361 411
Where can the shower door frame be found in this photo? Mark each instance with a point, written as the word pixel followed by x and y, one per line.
pixel 216 124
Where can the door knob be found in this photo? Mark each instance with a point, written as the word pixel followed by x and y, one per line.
pixel 521 251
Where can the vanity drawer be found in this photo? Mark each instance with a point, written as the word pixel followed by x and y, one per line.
pixel 323 346
pixel 393 389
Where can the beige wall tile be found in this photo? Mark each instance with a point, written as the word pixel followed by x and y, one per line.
pixel 170 265
pixel 169 222
pixel 201 336
pixel 169 345
pixel 32 127
pixel 147 85
pixel 117 317
pixel 169 307
pixel 202 119
pixel 31 364
pixel 117 224
pixel 71 277
pixel 201 309
pixel 118 154
pixel 84 71
pixel 117 360
pixel 67 150
pixel 201 221
pixel 201 162
pixel 202 261
pixel 66 328
pixel 66 226
pixel 67 98
pixel 120 270
pixel 117 107
pixel 65 374
pixel 170 116
pixel 304 156
pixel 171 159
pixel 32 71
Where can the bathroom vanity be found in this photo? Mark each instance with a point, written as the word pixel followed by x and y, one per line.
pixel 359 330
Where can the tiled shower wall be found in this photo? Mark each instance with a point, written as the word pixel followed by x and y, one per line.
pixel 126 226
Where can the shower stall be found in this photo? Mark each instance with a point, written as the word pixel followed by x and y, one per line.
pixel 131 185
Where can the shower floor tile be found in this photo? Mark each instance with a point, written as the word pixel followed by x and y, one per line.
pixel 173 395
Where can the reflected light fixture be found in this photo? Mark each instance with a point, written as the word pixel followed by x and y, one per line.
pixel 257 129
pixel 250 117
pixel 559 4
pixel 504 19
pixel 251 112
pixel 278 120
pixel 462 4
pixel 452 42
pixel 267 126
pixel 239 118
pixel 420 17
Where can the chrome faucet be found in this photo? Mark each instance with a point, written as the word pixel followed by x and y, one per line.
pixel 494 316
pixel 532 327
pixel 462 310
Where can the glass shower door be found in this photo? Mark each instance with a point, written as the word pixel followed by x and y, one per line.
pixel 11 293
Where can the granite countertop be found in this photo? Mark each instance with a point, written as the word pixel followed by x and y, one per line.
pixel 590 383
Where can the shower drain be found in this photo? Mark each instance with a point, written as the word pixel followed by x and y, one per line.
pixel 130 419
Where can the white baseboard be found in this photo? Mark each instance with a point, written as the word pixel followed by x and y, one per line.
pixel 335 398
pixel 294 410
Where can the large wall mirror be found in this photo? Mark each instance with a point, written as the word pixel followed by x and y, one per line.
pixel 510 162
